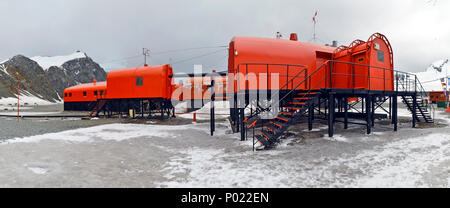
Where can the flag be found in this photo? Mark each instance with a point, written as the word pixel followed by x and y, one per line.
pixel 314 18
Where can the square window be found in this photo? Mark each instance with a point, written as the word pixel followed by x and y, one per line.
pixel 139 81
pixel 84 94
pixel 70 94
pixel 65 94
pixel 380 56
pixel 95 93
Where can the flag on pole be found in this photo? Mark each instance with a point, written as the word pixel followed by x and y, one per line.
pixel 314 18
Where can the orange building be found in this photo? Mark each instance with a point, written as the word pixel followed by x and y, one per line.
pixel 83 96
pixel 436 96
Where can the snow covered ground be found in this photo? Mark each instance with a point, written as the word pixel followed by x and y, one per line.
pixel 154 155
pixel 221 109
pixel 27 102
pixel 24 100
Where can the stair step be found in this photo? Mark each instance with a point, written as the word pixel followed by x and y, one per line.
pixel 283 119
pixel 277 124
pixel 286 113
pixel 309 93
pixel 293 103
pixel 265 136
pixel 292 108
pixel 262 140
pixel 270 130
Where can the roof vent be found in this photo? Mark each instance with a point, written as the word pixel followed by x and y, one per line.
pixel 293 37
pixel 334 43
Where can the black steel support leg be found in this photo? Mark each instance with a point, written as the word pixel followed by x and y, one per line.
pixel 212 118
pixel 346 113
pixel 236 113
pixel 373 111
pixel 414 111
pixel 390 107
pixel 331 111
pixel 394 112
pixel 241 119
pixel 369 114
pixel 310 116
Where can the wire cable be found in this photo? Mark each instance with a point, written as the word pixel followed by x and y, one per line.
pixel 195 57
pixel 187 49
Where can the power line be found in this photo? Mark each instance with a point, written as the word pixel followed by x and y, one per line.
pixel 195 57
pixel 162 52
pixel 123 59
pixel 187 49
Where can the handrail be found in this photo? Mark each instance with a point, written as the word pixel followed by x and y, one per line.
pixel 294 88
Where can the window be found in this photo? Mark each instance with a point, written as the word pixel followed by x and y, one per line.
pixel 70 94
pixel 101 92
pixel 84 94
pixel 380 56
pixel 139 81
pixel 65 94
pixel 95 93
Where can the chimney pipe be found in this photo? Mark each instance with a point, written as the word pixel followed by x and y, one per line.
pixel 293 37
pixel 334 44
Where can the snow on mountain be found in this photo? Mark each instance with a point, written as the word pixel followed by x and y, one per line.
pixel 431 78
pixel 45 78
pixel 48 61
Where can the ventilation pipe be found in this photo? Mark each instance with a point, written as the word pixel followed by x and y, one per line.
pixel 334 43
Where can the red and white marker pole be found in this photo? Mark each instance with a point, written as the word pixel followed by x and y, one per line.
pixel 18 99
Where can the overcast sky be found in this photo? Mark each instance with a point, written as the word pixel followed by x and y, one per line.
pixel 114 32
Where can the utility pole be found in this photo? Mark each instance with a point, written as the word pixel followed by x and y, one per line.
pixel 18 94
pixel 146 53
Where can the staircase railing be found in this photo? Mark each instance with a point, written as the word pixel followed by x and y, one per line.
pixel 307 79
pixel 289 81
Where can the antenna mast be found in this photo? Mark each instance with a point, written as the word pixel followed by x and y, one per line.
pixel 146 53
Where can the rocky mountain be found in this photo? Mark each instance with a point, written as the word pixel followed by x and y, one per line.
pixel 47 77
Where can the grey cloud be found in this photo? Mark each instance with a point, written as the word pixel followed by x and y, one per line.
pixel 110 31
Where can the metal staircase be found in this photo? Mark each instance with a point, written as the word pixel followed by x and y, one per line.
pixel 295 105
pixel 98 107
pixel 415 102
pixel 296 109
pixel 421 109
